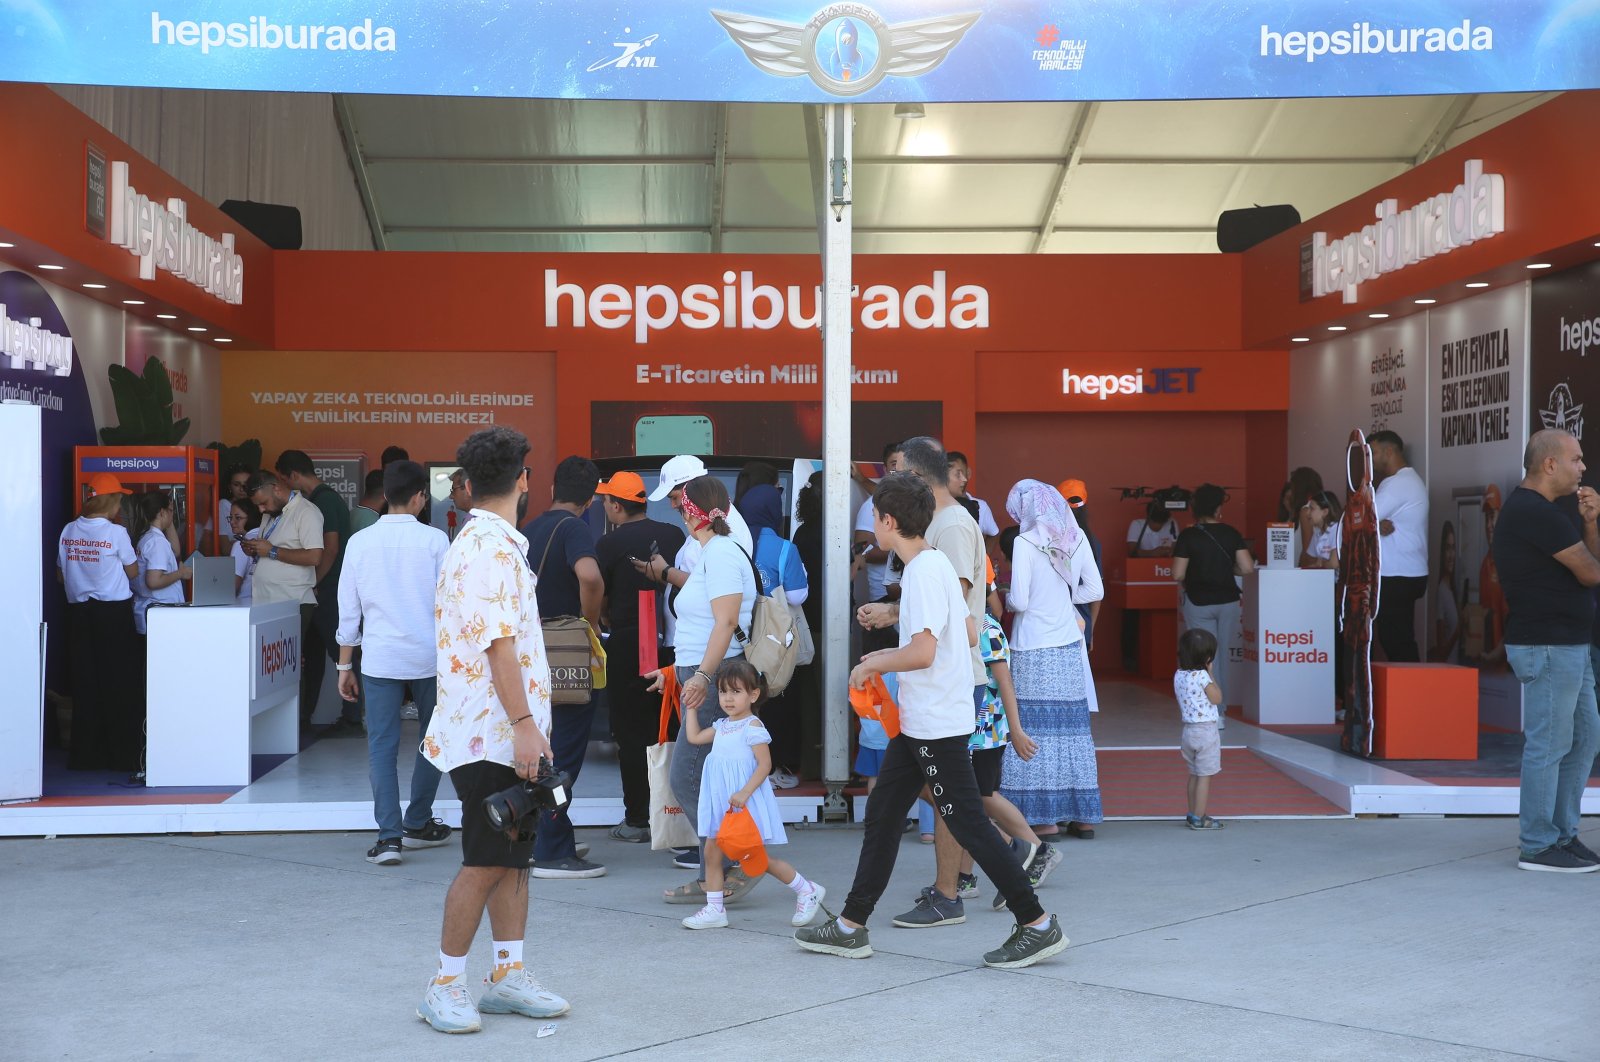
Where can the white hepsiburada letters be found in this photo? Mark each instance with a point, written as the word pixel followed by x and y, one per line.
pixel 162 238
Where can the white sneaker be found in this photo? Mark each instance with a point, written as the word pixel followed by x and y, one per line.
pixel 782 779
pixel 408 710
pixel 706 918
pixel 449 1008
pixel 518 992
pixel 806 904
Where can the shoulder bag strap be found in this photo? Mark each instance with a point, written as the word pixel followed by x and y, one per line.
pixel 546 554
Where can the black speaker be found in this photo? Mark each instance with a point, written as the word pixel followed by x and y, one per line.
pixel 275 225
pixel 1240 230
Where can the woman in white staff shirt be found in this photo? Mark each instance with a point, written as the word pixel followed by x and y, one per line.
pixel 160 576
pixel 94 562
pixel 244 521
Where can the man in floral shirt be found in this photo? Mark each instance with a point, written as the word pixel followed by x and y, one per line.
pixel 490 727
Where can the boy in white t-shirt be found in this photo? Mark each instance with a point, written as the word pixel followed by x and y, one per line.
pixel 1198 696
pixel 934 664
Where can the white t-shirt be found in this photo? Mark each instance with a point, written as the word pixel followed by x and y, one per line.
pixel 875 572
pixel 1142 537
pixel 723 569
pixel 1402 499
pixel 155 555
pixel 936 702
pixel 688 559
pixel 91 555
pixel 224 513
pixel 955 533
pixel 1190 688
pixel 1325 545
pixel 244 566
pixel 986 522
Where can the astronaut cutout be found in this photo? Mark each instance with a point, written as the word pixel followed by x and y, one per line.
pixel 1359 564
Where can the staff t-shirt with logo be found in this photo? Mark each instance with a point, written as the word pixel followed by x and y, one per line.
pixel 92 554
pixel 155 555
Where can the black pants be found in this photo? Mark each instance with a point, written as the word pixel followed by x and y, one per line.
pixel 321 645
pixel 1395 624
pixel 635 718
pixel 570 725
pixel 107 683
pixel 945 766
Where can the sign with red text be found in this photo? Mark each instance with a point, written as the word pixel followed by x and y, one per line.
pixel 275 656
pixel 1103 382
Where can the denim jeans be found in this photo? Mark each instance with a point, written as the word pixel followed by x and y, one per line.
pixel 569 743
pixel 1561 736
pixel 383 697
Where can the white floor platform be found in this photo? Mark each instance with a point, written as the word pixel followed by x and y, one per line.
pixel 326 787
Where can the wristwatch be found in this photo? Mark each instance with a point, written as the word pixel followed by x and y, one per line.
pixel 273 553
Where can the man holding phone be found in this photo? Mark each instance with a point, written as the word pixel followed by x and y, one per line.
pixel 634 712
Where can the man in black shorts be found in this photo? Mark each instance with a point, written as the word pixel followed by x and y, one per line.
pixel 490 728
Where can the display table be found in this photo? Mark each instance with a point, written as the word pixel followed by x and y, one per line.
pixel 1146 590
pixel 1288 672
pixel 223 684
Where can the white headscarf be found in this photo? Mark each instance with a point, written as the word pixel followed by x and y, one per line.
pixel 1044 516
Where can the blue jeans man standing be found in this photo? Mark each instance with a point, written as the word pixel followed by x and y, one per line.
pixel 1561 734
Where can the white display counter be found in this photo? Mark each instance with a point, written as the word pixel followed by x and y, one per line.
pixel 22 590
pixel 223 684
pixel 1287 675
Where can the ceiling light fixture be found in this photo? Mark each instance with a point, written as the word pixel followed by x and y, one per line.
pixel 196 328
pixel 1426 302
pixel 1478 284
pixel 52 267
pixel 13 245
pixel 96 287
pixel 1302 339
pixel 910 110
pixel 1336 328
pixel 1378 316
pixel 133 302
pixel 167 316
pixel 1538 265
pixel 223 339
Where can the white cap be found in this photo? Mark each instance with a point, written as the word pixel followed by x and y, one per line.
pixel 676 472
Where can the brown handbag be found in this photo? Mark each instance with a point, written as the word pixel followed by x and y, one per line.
pixel 566 646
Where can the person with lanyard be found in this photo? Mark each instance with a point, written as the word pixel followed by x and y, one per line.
pixel 1207 560
pixel 95 560
pixel 714 605
pixel 286 554
pixel 779 564
pixel 1155 534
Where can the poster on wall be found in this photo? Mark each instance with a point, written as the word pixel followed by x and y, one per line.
pixel 1376 379
pixel 39 365
pixel 352 403
pixel 1478 365
pixel 1564 357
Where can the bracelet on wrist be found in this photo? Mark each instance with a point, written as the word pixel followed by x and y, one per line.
pixel 344 667
pixel 522 719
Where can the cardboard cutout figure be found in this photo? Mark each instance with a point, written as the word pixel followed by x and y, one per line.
pixel 1359 563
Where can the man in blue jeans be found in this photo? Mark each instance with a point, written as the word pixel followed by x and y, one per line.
pixel 1548 566
pixel 386 598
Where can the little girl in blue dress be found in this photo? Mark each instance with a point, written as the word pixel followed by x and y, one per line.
pixel 735 776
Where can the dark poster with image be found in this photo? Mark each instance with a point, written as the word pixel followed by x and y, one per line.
pixel 1564 361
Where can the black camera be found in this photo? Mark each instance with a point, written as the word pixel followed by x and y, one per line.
pixel 550 790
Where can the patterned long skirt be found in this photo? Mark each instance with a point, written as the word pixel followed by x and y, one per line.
pixel 1061 783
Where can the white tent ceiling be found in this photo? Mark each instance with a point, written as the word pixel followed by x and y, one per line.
pixel 551 175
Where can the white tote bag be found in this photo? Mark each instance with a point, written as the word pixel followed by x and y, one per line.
pixel 669 826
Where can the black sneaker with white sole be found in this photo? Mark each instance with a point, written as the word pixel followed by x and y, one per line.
pixel 572 867
pixel 430 834
pixel 687 858
pixel 1581 850
pixel 1558 860
pixel 831 938
pixel 1027 945
pixel 931 910
pixel 385 853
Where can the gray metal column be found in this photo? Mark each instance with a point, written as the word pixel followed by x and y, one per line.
pixel 837 520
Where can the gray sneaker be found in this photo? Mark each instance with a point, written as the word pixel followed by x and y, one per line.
pixel 1557 859
pixel 1046 859
pixel 632 834
pixel 830 938
pixel 574 867
pixel 932 910
pixel 449 1008
pixel 1581 850
pixel 1027 945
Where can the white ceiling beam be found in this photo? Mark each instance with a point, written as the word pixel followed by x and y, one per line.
pixel 1075 141
pixel 889 230
pixel 1439 138
pixel 346 121
pixel 719 177
pixel 883 160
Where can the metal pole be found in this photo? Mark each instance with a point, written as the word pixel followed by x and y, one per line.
pixel 837 519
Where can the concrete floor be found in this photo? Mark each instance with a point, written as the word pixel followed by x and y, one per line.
pixel 1332 939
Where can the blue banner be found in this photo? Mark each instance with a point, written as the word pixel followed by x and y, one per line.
pixel 791 52
pixel 134 466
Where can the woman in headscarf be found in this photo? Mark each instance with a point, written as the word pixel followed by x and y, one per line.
pixel 1052 571
pixel 780 565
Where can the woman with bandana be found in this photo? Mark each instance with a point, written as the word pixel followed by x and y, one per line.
pixel 1052 571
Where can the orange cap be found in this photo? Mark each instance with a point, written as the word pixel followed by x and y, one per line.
pixel 106 483
pixel 1075 492
pixel 1491 497
pixel 624 486
pixel 740 840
